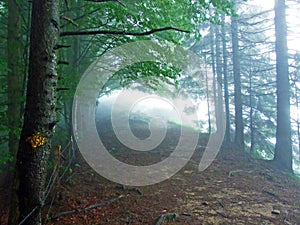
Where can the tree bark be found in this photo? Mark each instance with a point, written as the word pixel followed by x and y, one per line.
pixel 219 84
pixel 40 116
pixel 252 128
pixel 283 148
pixel 213 64
pixel 239 126
pixel 225 74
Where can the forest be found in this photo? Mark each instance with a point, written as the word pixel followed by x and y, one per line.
pixel 149 112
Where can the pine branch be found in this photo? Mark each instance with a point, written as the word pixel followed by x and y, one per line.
pixel 95 32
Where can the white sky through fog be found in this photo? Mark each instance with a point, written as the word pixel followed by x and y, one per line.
pixel 265 3
pixel 293 19
pixel 293 22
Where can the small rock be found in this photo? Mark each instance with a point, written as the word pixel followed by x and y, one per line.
pixel 276 212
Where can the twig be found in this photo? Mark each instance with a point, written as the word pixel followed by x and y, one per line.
pixel 61 46
pixel 60 62
pixel 62 89
pixel 232 172
pixel 94 32
pixel 87 208
pixel 69 20
pixel 82 16
pixel 67 4
pixel 271 194
pixel 29 214
pixel 122 4
pixel 54 175
pixel 221 204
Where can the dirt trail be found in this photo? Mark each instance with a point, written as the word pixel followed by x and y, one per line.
pixel 235 189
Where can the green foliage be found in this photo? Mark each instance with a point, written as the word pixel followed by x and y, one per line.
pixel 66 89
pixel 145 15
pixel 6 160
pixel 60 136
pixel 5 157
pixel 3 103
pixel 48 218
pixel 152 75
pixel 135 16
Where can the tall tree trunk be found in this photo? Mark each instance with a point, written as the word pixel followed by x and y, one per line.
pixel 283 148
pixel 239 126
pixel 225 74
pixel 297 120
pixel 213 64
pixel 252 129
pixel 207 97
pixel 40 116
pixel 298 134
pixel 219 104
pixel 15 72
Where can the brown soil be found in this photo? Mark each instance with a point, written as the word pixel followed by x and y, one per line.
pixel 235 189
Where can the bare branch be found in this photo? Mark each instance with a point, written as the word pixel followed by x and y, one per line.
pixel 61 46
pixel 106 1
pixel 60 62
pixel 67 4
pixel 95 32
pixel 69 20
pixel 81 16
pixel 87 208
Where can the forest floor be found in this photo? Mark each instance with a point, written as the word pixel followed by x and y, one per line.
pixel 235 189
